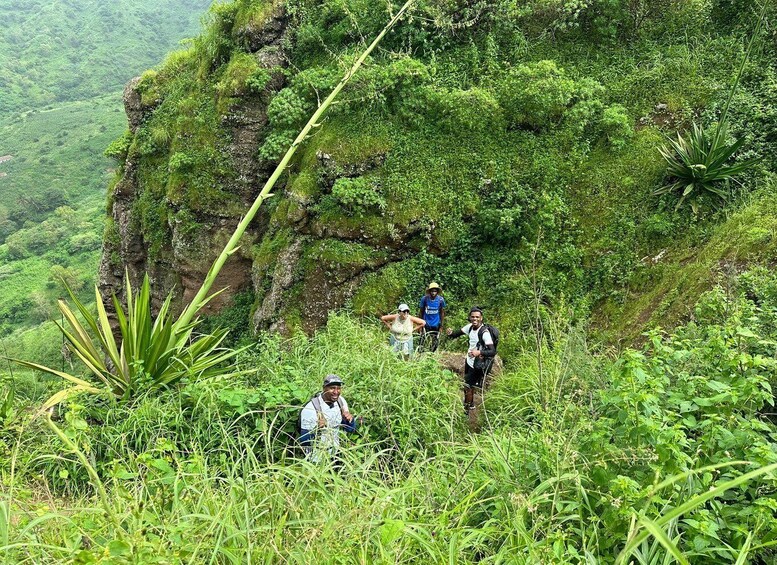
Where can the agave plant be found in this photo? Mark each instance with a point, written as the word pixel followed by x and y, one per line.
pixel 699 164
pixel 153 353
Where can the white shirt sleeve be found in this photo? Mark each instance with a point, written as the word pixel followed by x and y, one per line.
pixel 465 329
pixel 308 418
pixel 345 404
pixel 487 338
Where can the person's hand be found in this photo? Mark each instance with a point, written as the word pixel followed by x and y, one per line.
pixel 321 420
pixel 474 353
pixel 449 331
pixel 348 416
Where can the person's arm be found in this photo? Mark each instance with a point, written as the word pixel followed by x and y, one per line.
pixel 349 422
pixel 418 323
pixel 352 426
pixel 456 333
pixel 487 349
pixel 309 425
pixel 422 307
pixel 388 319
pixel 442 313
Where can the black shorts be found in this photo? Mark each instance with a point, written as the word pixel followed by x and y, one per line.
pixel 473 377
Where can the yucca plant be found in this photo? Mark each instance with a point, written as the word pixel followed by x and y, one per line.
pixel 699 164
pixel 152 353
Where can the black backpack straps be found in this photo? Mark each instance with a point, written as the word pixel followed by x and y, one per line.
pixel 340 404
pixel 486 350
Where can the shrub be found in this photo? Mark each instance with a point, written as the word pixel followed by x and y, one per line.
pixel 616 126
pixel 536 95
pixel 475 109
pixel 360 195
pixel 119 147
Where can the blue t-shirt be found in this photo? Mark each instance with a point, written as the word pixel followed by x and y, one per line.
pixel 432 312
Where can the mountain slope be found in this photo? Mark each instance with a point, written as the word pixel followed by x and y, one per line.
pixel 477 149
pixel 54 51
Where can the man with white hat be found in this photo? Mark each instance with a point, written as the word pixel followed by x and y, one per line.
pixel 321 420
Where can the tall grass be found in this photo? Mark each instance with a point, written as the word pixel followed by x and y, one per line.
pixel 207 475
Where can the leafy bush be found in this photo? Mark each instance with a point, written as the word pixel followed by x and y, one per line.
pixel 475 109
pixel 616 126
pixel 360 195
pixel 119 147
pixel 536 94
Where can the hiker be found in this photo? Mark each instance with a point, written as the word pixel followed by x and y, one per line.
pixel 432 311
pixel 402 325
pixel 321 420
pixel 479 355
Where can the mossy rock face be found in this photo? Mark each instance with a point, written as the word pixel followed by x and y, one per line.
pixel 511 171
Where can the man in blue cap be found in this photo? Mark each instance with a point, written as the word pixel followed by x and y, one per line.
pixel 321 420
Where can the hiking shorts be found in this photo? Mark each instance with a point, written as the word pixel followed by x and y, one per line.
pixel 473 376
pixel 402 347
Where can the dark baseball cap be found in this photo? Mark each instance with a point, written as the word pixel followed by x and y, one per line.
pixel 330 380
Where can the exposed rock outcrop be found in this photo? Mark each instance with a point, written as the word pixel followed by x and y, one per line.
pixel 293 282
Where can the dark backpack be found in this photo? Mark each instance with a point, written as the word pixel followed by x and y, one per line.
pixel 494 336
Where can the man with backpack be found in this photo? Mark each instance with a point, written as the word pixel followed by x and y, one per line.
pixel 480 354
pixel 322 418
pixel 432 312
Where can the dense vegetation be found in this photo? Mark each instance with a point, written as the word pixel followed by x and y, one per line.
pixel 521 145
pixel 530 139
pixel 58 51
pixel 572 446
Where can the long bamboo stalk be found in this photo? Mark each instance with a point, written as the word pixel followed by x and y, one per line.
pixel 232 244
pixel 753 37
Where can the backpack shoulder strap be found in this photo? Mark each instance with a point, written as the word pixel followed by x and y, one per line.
pixel 316 400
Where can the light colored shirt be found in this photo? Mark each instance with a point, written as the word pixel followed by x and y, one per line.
pixel 328 438
pixel 472 334
pixel 402 330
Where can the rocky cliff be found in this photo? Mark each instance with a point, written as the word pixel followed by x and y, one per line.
pixel 484 147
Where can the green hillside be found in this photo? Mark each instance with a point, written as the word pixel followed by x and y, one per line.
pixel 62 68
pixel 512 152
pixel 55 51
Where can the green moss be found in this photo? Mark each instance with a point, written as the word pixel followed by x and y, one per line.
pixel 148 88
pixel 266 252
pixel 382 291
pixel 253 14
pixel 303 185
pixel 668 290
pixel 234 79
pixel 335 252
